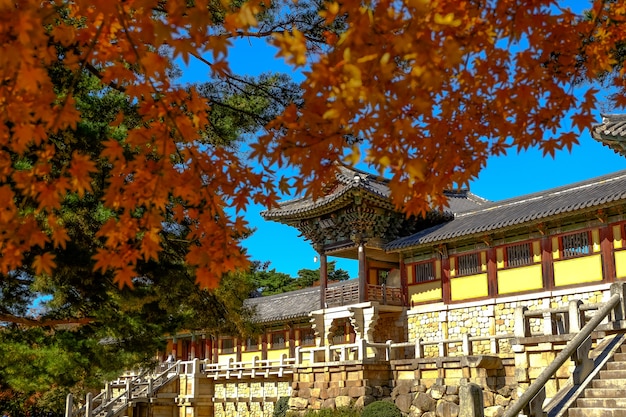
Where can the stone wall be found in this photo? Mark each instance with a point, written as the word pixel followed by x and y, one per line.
pixel 433 323
pixel 249 397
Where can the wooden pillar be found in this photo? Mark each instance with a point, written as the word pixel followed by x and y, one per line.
pixel 362 273
pixel 208 352
pixel 404 282
pixel 193 347
pixel 547 266
pixel 608 255
pixel 264 345
pixel 291 339
pixel 323 278
pixel 216 346
pixel 492 272
pixel 175 348
pixel 238 349
pixel 445 278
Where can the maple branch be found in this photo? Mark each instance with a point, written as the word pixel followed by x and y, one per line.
pixel 76 76
pixel 98 74
pixel 24 321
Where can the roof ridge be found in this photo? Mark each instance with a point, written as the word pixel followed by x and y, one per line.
pixel 548 193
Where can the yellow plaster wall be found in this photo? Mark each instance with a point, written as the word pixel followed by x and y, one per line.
pixel 620 264
pixel 276 354
pixel 578 270
pixel 520 279
pixel 617 237
pixel 427 291
pixel 471 286
pixel 248 356
pixel 224 358
pixel 410 277
pixel 595 238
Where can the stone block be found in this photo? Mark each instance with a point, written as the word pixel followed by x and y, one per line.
pixel 447 409
pixel 343 401
pixel 437 391
pixel 502 400
pixel 404 402
pixel 315 392
pixel 329 403
pixel 424 402
pixel 356 392
pixel 363 401
pixel 298 403
pixel 495 411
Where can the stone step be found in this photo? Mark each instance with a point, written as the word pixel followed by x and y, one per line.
pixel 601 403
pixel 597 412
pixel 616 366
pixel 605 392
pixel 608 374
pixel 608 383
pixel 619 356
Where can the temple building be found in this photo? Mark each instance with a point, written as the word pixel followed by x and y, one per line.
pixel 486 292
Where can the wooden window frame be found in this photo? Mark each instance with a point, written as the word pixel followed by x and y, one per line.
pixel 303 341
pixel 227 350
pixel 278 345
pixel 477 269
pixel 254 347
pixel 572 252
pixel 416 275
pixel 531 254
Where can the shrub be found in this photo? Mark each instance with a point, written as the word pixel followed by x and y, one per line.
pixel 327 412
pixel 281 407
pixel 381 409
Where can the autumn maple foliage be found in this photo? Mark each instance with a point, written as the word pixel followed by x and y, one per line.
pixel 423 91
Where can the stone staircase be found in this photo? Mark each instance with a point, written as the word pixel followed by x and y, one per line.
pixel 129 390
pixel 606 395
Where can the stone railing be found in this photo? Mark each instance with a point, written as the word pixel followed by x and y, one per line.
pixel 577 349
pixel 250 369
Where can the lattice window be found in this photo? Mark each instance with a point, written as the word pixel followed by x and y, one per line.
pixel 278 340
pixel 575 244
pixel 252 343
pixel 424 272
pixel 307 337
pixel 468 264
pixel 228 345
pixel 519 255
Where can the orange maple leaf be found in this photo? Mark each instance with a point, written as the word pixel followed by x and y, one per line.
pixel 44 264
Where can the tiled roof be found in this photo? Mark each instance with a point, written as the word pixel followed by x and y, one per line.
pixel 289 305
pixel 353 179
pixel 348 179
pixel 612 132
pixel 536 207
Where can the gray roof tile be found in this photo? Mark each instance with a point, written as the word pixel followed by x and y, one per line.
pixel 516 211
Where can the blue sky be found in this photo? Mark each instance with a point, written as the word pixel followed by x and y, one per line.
pixel 504 177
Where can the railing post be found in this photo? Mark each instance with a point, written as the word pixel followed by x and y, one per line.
pixel 548 327
pixel 534 408
pixel 419 348
pixel 69 404
pixel 388 350
pixel 129 392
pixel 327 353
pixel 362 354
pixel 196 367
pixel 88 404
pixel 298 359
pixel 575 316
pixel 466 344
pixel 583 364
pixel 149 387
pixel 619 312
pixel 521 327
pixel 443 348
